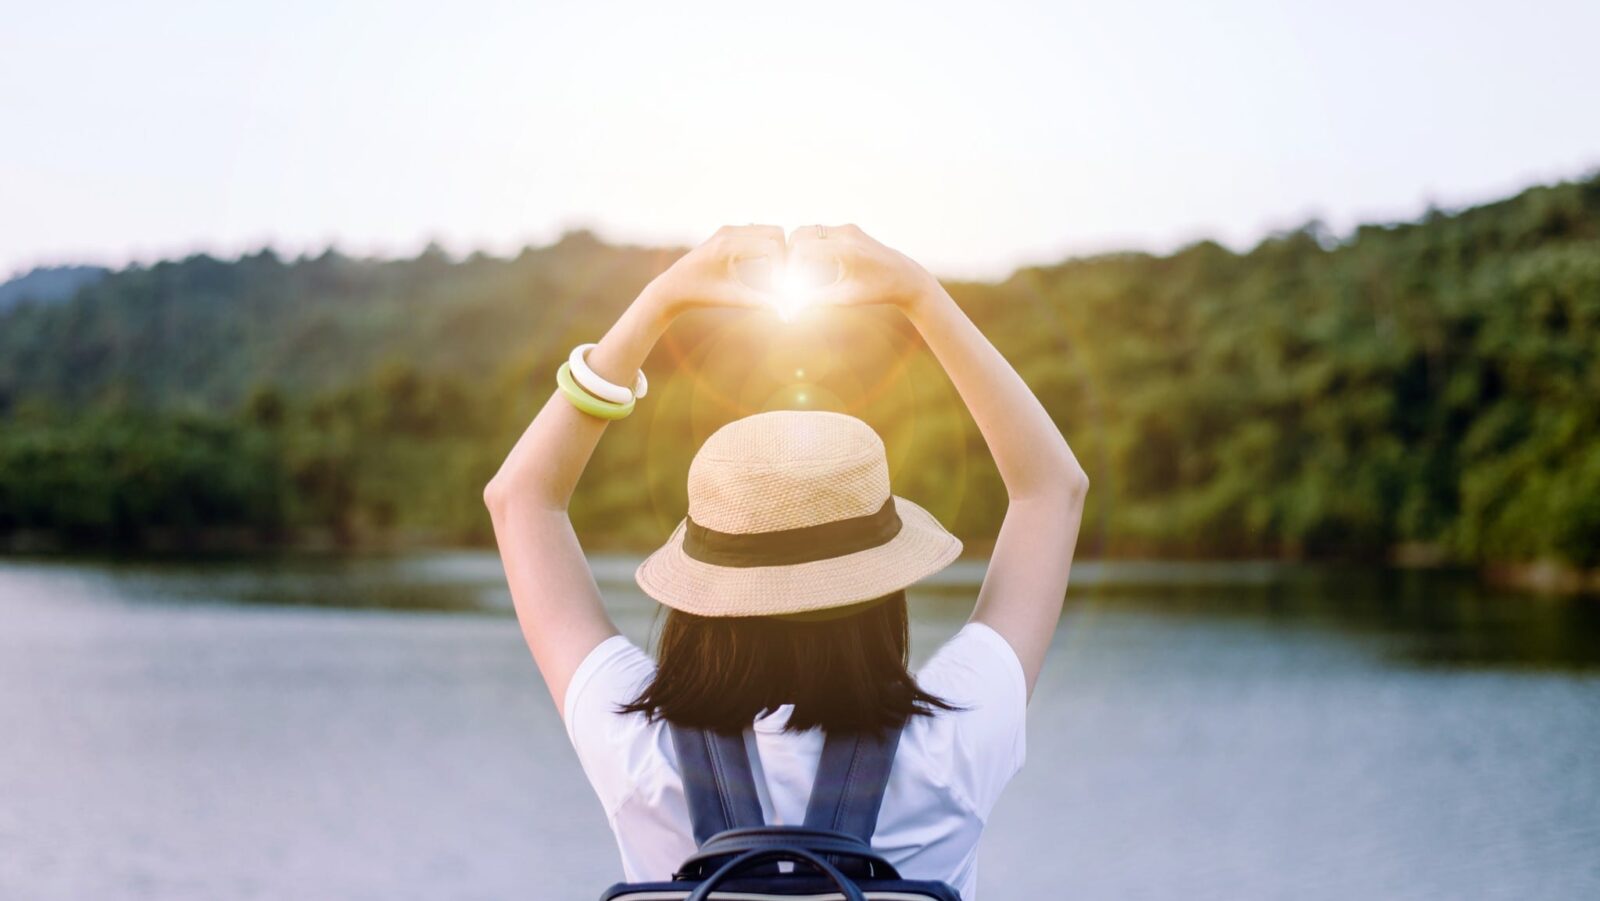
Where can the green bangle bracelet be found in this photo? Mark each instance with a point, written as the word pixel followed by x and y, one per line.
pixel 588 403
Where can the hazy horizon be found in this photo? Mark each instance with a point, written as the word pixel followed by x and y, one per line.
pixel 461 253
pixel 977 140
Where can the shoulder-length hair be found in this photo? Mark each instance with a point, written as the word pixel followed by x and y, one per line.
pixel 846 675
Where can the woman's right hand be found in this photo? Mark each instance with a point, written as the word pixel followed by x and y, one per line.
pixel 708 276
pixel 868 272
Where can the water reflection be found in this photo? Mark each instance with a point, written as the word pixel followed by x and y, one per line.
pixel 1435 618
pixel 1424 617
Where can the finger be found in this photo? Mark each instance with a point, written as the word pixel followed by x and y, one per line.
pixel 729 292
pixel 751 228
pixel 737 243
pixel 816 254
pixel 760 273
pixel 755 254
pixel 847 233
pixel 744 296
pixel 740 232
pixel 754 267
pixel 804 232
pixel 753 241
pixel 814 233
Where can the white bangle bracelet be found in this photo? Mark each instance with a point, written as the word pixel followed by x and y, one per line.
pixel 599 387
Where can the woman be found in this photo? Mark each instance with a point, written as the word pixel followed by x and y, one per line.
pixel 785 581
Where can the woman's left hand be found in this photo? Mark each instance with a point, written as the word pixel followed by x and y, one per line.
pixel 708 275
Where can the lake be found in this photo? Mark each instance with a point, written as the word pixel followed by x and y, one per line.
pixel 373 728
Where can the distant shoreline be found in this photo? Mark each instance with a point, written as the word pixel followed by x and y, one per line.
pixel 1543 577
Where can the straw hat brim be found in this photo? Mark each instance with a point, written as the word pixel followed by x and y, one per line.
pixel 921 548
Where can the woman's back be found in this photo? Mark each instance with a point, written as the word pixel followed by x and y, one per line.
pixel 785 580
pixel 948 773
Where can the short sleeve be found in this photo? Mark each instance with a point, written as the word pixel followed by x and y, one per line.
pixel 977 669
pixel 612 747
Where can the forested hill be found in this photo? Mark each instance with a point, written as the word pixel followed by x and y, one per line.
pixel 47 283
pixel 1430 386
pixel 202 332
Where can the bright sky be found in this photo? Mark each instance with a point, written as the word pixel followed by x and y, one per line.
pixel 972 135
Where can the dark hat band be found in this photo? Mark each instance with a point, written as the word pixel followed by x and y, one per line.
pixel 786 547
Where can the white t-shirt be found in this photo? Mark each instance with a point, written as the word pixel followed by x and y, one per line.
pixel 948 772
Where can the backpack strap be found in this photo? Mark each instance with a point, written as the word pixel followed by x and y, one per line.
pixel 717 781
pixel 851 777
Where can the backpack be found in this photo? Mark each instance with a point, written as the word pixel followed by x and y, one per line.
pixel 738 853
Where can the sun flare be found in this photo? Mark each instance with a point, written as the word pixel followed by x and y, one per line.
pixel 797 284
pixel 792 290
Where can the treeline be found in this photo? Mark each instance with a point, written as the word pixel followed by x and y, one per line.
pixel 1430 386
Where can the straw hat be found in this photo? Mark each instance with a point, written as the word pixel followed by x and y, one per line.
pixel 790 513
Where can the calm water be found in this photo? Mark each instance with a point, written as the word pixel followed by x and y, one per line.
pixel 374 729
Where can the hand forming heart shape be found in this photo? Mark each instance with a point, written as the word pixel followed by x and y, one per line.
pixel 792 283
pixel 755 266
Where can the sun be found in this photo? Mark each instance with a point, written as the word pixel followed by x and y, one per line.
pixel 796 285
pixel 793 291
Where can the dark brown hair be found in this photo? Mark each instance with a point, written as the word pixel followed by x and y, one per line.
pixel 846 675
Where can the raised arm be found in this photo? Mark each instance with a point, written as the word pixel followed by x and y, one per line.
pixel 1026 583
pixel 557 602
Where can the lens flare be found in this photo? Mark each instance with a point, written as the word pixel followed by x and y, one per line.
pixel 792 291
pixel 797 284
pixel 790 286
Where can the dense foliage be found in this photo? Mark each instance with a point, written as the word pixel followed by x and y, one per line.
pixel 48 283
pixel 1431 385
